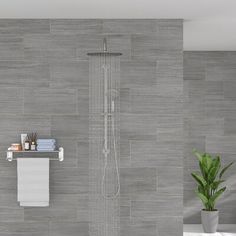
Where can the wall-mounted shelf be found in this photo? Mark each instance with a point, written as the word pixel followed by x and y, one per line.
pixel 59 152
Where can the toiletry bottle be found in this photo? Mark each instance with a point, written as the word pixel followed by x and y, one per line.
pixel 33 146
pixel 27 144
pixel 23 138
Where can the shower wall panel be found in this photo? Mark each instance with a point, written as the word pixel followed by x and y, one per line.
pixel 209 124
pixel 42 60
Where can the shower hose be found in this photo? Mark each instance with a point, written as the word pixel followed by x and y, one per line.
pixel 106 151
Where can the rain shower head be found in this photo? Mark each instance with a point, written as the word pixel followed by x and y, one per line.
pixel 105 52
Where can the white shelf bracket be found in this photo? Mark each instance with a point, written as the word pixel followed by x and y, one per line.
pixel 61 154
pixel 9 155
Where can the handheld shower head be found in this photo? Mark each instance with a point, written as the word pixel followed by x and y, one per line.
pixel 113 93
pixel 104 45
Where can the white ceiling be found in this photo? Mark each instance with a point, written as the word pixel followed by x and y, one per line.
pixel 208 24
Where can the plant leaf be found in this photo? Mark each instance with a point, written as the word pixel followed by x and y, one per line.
pixel 203 171
pixel 199 179
pixel 216 195
pixel 203 198
pixel 201 189
pixel 207 161
pixel 216 163
pixel 224 169
pixel 212 174
pixel 216 184
pixel 198 155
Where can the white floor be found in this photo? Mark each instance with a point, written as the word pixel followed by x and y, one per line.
pixel 223 230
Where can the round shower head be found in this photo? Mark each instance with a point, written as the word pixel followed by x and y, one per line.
pixel 104 54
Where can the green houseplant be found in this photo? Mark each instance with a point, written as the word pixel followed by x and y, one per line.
pixel 209 180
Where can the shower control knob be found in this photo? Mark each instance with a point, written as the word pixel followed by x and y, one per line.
pixel 106 151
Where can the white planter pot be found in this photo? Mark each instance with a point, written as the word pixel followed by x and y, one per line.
pixel 210 221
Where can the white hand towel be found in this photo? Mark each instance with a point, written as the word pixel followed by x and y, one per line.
pixel 33 181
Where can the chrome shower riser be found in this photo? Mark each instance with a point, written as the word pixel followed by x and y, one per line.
pixel 104 183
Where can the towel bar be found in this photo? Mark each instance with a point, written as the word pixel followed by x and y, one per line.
pixel 60 152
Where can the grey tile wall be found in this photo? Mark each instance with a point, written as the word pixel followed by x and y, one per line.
pixel 44 79
pixel 209 123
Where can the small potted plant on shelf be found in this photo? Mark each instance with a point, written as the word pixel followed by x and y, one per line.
pixel 209 180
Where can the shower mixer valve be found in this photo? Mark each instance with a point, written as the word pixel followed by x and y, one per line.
pixel 105 151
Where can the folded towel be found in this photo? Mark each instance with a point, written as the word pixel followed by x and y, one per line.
pixel 46 145
pixel 46 141
pixel 46 149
